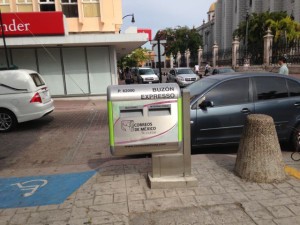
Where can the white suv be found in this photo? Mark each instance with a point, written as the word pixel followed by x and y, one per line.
pixel 24 96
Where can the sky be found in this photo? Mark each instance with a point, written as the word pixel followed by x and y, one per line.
pixel 161 14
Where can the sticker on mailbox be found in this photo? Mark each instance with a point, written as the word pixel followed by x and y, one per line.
pixel 146 122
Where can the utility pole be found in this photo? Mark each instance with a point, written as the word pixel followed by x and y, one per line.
pixel 159 42
pixel 4 42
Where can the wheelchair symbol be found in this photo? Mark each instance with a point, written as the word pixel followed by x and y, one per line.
pixel 32 186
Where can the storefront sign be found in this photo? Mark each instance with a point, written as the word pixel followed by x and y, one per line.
pixel 146 31
pixel 32 24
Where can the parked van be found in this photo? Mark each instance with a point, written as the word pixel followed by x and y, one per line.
pixel 24 96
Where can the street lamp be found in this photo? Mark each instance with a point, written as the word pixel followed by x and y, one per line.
pixel 246 37
pixel 132 17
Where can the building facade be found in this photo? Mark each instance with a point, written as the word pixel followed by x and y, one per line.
pixel 82 60
pixel 229 13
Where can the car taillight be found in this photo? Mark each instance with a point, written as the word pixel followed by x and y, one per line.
pixel 36 98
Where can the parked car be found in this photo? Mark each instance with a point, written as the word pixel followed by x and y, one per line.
pixel 24 96
pixel 143 75
pixel 220 70
pixel 220 104
pixel 182 76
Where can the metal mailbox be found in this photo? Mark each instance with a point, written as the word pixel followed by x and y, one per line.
pixel 144 118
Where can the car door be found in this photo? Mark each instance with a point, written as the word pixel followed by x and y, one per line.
pixel 224 122
pixel 272 98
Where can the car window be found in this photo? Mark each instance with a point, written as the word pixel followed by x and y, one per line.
pixel 185 71
pixel 294 88
pixel 270 88
pixel 37 79
pixel 146 71
pixel 230 92
pixel 226 70
pixel 200 86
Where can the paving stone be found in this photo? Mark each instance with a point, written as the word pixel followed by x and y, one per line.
pixel 108 209
pixel 103 199
pixel 265 222
pixel 79 213
pixel 134 176
pixel 20 218
pixel 134 197
pixel 203 191
pixel 280 211
pixel 261 214
pixel 294 182
pixel 120 197
pixel 135 190
pixel 48 216
pixel 295 208
pixel 152 194
pixel 267 186
pixel 185 192
pixel 251 206
pixel 217 189
pixel 288 221
pixel 170 193
pixel 289 191
pixel 239 196
pixel 8 212
pixel 162 204
pixel 84 203
pixel 276 202
pixel 85 195
pixel 136 206
pixel 105 191
pixel 47 207
pixel 27 209
pixel 84 221
pixel 188 201
pixel 214 199
pixel 263 194
pixel 132 183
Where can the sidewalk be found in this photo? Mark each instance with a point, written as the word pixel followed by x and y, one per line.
pixel 119 194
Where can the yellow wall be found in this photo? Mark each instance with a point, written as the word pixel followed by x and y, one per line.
pixel 110 19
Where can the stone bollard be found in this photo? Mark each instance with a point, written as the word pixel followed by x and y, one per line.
pixel 259 157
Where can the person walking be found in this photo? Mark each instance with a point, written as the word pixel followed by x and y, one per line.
pixel 127 75
pixel 283 66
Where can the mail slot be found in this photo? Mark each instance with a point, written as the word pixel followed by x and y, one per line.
pixel 144 118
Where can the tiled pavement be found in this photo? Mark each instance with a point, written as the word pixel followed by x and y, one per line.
pixel 119 194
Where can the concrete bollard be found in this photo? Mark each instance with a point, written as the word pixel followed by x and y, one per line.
pixel 259 157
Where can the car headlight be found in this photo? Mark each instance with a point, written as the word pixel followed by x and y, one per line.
pixel 180 78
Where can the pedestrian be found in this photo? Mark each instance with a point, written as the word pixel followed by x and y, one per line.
pixel 207 68
pixel 283 67
pixel 127 75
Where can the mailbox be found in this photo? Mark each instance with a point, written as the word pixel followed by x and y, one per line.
pixel 144 118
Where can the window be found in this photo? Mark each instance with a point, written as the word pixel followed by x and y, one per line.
pixel 270 88
pixel 231 92
pixel 91 8
pixel 37 79
pixel 69 8
pixel 294 88
pixel 47 5
pixel 24 5
pixel 4 6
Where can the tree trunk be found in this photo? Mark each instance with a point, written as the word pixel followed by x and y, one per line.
pixel 259 157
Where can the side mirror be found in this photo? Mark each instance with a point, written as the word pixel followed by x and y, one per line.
pixel 206 104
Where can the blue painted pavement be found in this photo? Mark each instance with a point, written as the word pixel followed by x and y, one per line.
pixel 40 190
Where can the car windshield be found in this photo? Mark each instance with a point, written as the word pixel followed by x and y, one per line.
pixel 200 86
pixel 226 70
pixel 185 71
pixel 146 71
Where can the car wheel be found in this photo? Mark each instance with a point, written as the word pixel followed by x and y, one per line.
pixel 8 120
pixel 295 140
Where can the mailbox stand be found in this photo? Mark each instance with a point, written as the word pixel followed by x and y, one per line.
pixel 153 118
pixel 173 170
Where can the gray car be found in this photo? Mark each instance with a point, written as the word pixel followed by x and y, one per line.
pixel 220 104
pixel 182 76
